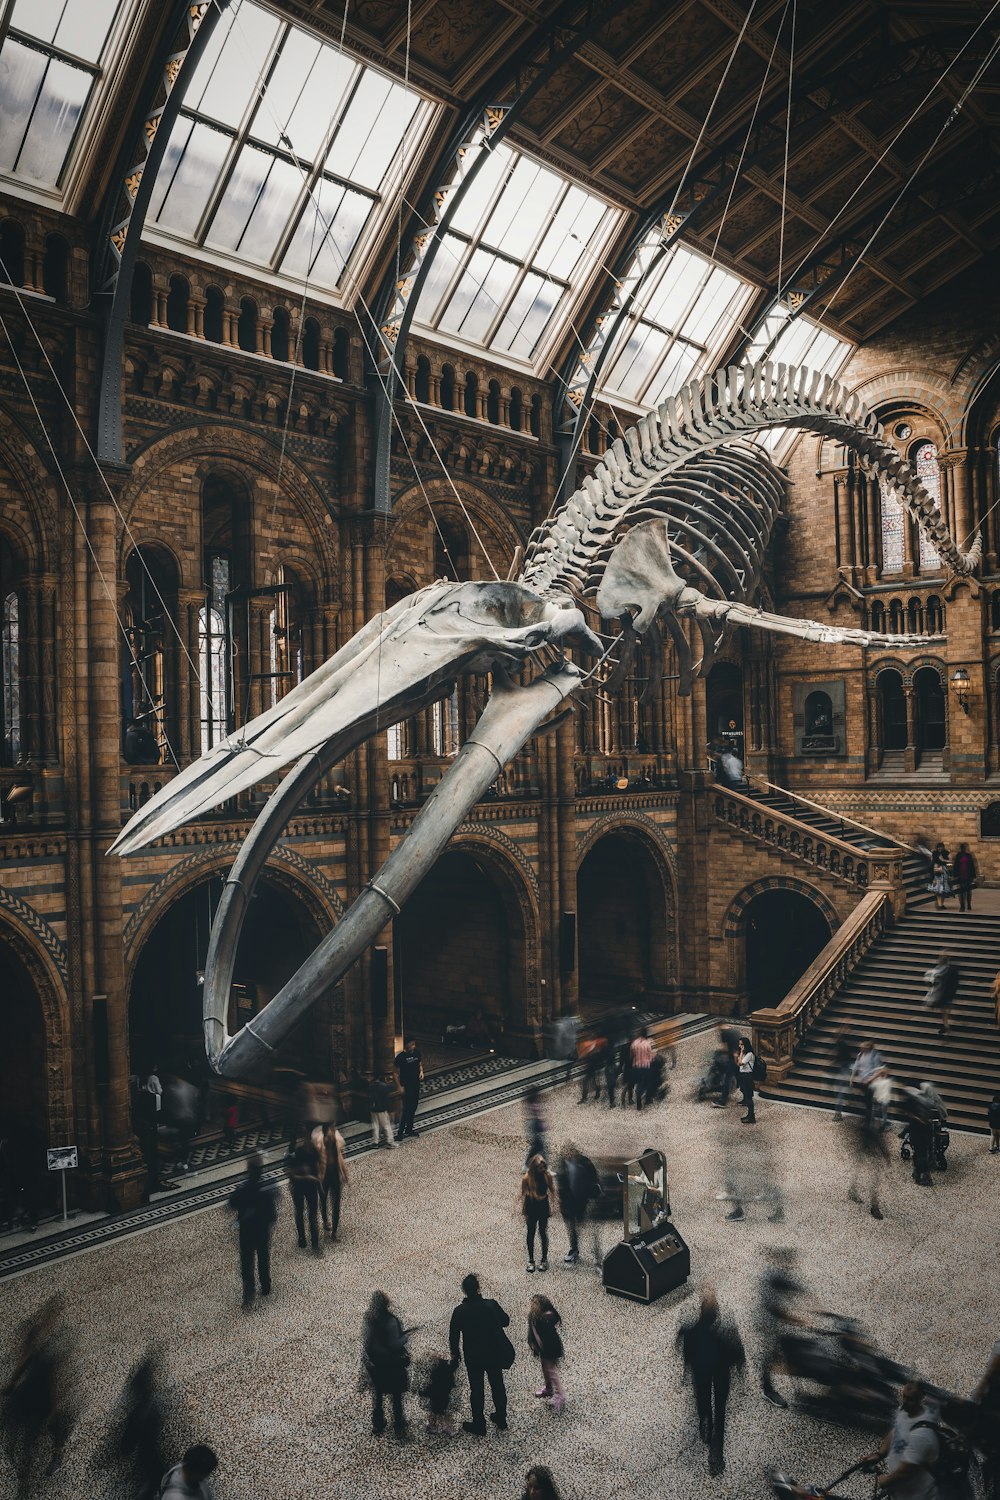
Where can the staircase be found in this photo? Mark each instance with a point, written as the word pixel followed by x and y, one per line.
pixel 881 999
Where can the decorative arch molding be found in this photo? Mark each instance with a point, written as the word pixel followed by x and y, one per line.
pixel 44 935
pixel 732 922
pixel 20 457
pixel 935 394
pixel 519 884
pixel 303 879
pixel 492 523
pixel 906 670
pixel 250 455
pixel 31 940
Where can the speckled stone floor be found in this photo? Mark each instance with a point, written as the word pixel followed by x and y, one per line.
pixel 275 1391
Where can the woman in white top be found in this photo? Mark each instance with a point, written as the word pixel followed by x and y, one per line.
pixel 744 1068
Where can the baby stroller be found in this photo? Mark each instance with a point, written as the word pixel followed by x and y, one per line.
pixel 786 1488
pixel 940 1141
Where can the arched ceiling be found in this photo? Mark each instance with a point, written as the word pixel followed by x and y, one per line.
pixel 863 99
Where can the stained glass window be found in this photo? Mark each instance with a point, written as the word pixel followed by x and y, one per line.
pixel 925 461
pixel 893 528
pixel 522 240
pixel 286 174
pixel 50 69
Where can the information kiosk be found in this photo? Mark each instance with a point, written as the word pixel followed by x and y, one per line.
pixel 652 1258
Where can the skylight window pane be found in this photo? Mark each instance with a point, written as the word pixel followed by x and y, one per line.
pixel 714 301
pixel 442 273
pixel 371 132
pixel 527 317
pixel 80 27
pixel 646 346
pixel 224 89
pixel 670 300
pixel 497 277
pixel 481 191
pixel 579 216
pixel 187 176
pixel 679 365
pixel 240 198
pixel 22 71
pixel 53 124
pixel 303 95
pixel 522 209
pixel 322 243
pixel 267 222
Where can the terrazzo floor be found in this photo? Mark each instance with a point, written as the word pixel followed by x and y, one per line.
pixel 276 1393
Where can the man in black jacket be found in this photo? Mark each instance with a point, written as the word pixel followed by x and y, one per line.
pixel 255 1205
pixel 711 1349
pixel 479 1322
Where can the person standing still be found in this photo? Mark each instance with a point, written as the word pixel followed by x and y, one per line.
pixel 303 1180
pixel 255 1204
pixel 336 1176
pixel 744 1068
pixel 410 1072
pixel 711 1349
pixel 965 875
pixel 477 1327
pixel 379 1099
pixel 537 1193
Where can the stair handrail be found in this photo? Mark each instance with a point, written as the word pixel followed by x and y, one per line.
pixel 830 812
pixel 778 1030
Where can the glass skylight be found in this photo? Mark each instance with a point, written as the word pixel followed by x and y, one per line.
pixel 788 340
pixel 50 67
pixel 683 316
pixel 287 176
pixel 520 247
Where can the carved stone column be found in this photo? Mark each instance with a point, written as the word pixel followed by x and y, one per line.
pixel 912 728
pixel 874 751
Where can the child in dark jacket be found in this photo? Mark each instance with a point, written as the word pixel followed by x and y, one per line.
pixel 993 1116
pixel 545 1343
pixel 437 1393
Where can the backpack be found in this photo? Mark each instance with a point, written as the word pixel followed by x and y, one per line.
pixel 950 1470
pixel 759 1069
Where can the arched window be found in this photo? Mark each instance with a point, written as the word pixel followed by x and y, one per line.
pixel 55 268
pixel 471 402
pixel 924 458
pixel 516 409
pixel 447 388
pixel 932 725
pixel 310 344
pixel 536 416
pixel 141 297
pixel 286 635
pixel 444 725
pixel 422 379
pixel 593 436
pixel 246 328
pixel 935 615
pixel 914 617
pixel 493 402
pixel 397 736
pixel 893 528
pixel 892 705
pixel 10 664
pixel 995 610
pixel 451 551
pixel 878 616
pixel 279 334
pixel 213 319
pixel 222 621
pixel 341 353
pixel 11 253
pixel 149 607
pixel 177 305
pixel 896 616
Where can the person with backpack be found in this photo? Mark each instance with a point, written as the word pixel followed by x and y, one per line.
pixel 746 1070
pixel 910 1449
pixel 477 1332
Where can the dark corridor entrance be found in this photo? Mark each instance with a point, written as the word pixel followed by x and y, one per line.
pixel 622 931
pixel 24 1104
pixel 784 933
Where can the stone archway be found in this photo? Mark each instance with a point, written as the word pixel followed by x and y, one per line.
pixel 625 919
pixel 775 929
pixel 465 950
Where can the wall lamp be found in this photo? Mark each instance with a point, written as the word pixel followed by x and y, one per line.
pixel 962 686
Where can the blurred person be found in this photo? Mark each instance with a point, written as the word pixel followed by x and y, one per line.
pixel 881 1087
pixel 181 1107
pixel 410 1072
pixel 751 1176
pixel 303 1181
pixel 539 1484
pixel 579 1187
pixel 136 1442
pixel 36 1400
pixel 386 1361
pixel 866 1143
pixel 610 1071
pixel 537 1194
pixel 918 1124
pixel 438 1391
pixel 714 1078
pixel 993 1120
pixel 995 996
pixel 535 1127
pixel 965 875
pixel 191 1478
pixel 335 1178
pixel 986 1395
pixel 592 1052
pixel 844 1052
pixel 910 1448
pixel 230 1120
pixel 941 883
pixel 942 981
pixel 255 1204
pixel 477 1328
pixel 642 1057
pixel 867 1066
pixel 745 1062
pixel 730 1038
pixel 546 1344
pixel 711 1349
pixel 778 1291
pixel 379 1100
pixel 668 1043
pixel 565 1034
pixel 626 1071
